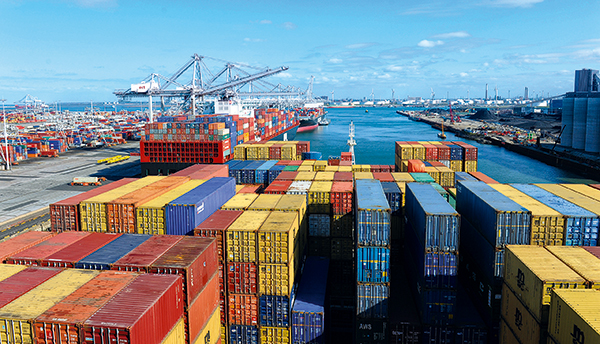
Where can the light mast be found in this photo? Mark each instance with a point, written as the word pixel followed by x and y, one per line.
pixel 351 141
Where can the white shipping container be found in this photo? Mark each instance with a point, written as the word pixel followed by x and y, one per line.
pixel 299 187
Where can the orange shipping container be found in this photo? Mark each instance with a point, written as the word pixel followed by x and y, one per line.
pixel 21 242
pixel 199 311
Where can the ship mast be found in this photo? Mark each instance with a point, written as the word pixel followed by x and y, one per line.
pixel 351 141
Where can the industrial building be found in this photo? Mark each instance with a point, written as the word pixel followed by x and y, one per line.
pixel 581 113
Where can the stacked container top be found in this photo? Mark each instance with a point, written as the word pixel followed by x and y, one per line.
pixel 21 242
pixel 70 255
pixel 23 281
pixel 103 258
pixel 34 255
pixel 141 257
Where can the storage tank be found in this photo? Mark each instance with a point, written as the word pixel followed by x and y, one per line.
pixel 592 135
pixel 566 138
pixel 579 121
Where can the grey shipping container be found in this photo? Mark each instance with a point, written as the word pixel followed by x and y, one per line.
pixel 372 300
pixel 104 257
pixel 373 214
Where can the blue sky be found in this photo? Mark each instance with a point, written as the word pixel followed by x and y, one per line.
pixel 81 50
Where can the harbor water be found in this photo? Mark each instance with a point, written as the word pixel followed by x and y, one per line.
pixel 378 129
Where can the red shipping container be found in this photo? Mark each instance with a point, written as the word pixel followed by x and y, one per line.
pixel 345 156
pixel 251 189
pixel 595 250
pixel 61 323
pixel 68 256
pixel 416 166
pixel 469 151
pixel 275 152
pixel 189 170
pixel 22 282
pixel 343 176
pixel 375 168
pixel 302 147
pixel 431 152
pixel 437 164
pixel 283 162
pixel 211 171
pixel 22 242
pixel 383 176
pixel 243 309
pixel 287 175
pixel 142 313
pixel 484 178
pixel 215 227
pixel 195 259
pixel 341 197
pixel 34 255
pixel 346 163
pixel 141 257
pixel 595 186
pixel 242 278
pixel 200 310
pixel 64 215
pixel 443 152
pixel 295 163
pixel 278 187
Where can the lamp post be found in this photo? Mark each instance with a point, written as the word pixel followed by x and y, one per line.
pixel 7 158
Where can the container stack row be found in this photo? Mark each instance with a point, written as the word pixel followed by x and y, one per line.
pixel 271 150
pixel 455 155
pixel 70 287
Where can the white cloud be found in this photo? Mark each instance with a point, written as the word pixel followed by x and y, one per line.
pixel 289 26
pixel 95 3
pixel 395 68
pixel 456 34
pixel 253 40
pixel 359 45
pixel 384 76
pixel 464 75
pixel 335 60
pixel 429 44
pixel 284 75
pixel 265 21
pixel 514 3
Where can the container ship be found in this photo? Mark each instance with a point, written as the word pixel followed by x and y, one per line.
pixel 309 117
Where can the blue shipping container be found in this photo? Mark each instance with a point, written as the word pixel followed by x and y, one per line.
pixel 464 176
pixel 501 220
pixel 262 173
pixel 249 171
pixel 373 214
pixel 581 225
pixel 308 313
pixel 394 196
pixel 243 334
pixel 189 210
pixel 104 257
pixel 372 300
pixel 436 306
pixel 274 310
pixel 489 259
pixel 274 172
pixel 434 220
pixel 456 152
pixel 373 264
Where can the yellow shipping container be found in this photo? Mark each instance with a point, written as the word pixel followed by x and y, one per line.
pixel 16 317
pixel 434 173
pixel 335 169
pixel 406 151
pixel 211 333
pixel 365 168
pixel 319 198
pixel 547 225
pixel 531 272
pixel 241 236
pixel 93 210
pixel 305 168
pixel 470 166
pixel 239 151
pixel 518 318
pixel 584 190
pixel 447 177
pixel 581 261
pixel 320 165
pixel 177 334
pixel 356 168
pixel 293 203
pixel 307 176
pixel 418 152
pixel 151 215
pixel 324 176
pixel 402 187
pixel 224 332
pixel 288 152
pixel 239 188
pixel 574 316
pixel 262 151
pixel 363 175
pixel 573 197
pixel 7 270
pixel 276 279
pixel 265 202
pixel 252 152
pixel 506 336
pixel 344 168
pixel 402 177
pixel 277 237
pixel 240 201
pixel 456 165
pixel 308 163
pixel 274 335
pixel 404 166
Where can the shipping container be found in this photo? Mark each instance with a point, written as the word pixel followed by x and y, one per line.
pixel 23 281
pixel 104 257
pixel 574 316
pixel 319 198
pixel 343 176
pixel 277 238
pixel 195 259
pixel 262 172
pixel 581 261
pixel 65 216
pixel 93 210
pixel 319 247
pixel 199 311
pixel 265 203
pixel 319 225
pixel 586 190
pixel 243 334
pixel 500 220
pixel 294 203
pixel 342 226
pixel 242 278
pixel 373 264
pixel 215 227
pixel 177 334
pixel 372 300
pixel 188 211
pixel 211 333
pixel 144 312
pixel 274 172
pixel 581 225
pixel 341 197
pixel 402 177
pixel 17 316
pixel 531 272
pixel 574 197
pixel 240 202
pixel 35 254
pixel 595 250
pixel 363 175
pixel 242 236
pixel 324 176
pixel 151 215
pixel 71 254
pixel 61 323
pixel 243 309
pixel 506 335
pixel 274 335
pixel 394 196
pixel 404 324
pixel 299 188
pixel 8 270
pixel 274 310
pixel 520 320
pixel 422 177
pixel 278 187
pixel 308 311
pixel 22 242
pixel 484 178
pixel 342 249
pixel 373 214
pixel 276 279
pixel 141 257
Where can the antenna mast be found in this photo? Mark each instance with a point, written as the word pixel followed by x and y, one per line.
pixel 351 141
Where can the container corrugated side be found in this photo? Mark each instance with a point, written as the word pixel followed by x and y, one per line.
pixel 216 226
pixel 293 203
pixel 17 316
pixel 61 323
pixel 241 237
pixel 64 215
pixel 277 238
pixel 586 190
pixel 574 316
pixel 22 242
pixel 22 282
pixel 8 270
pixel 531 272
pixel 104 257
pixel 547 225
pixel 501 220
pixel 274 310
pixel 34 254
pixel 319 201
pixel 70 255
pixel 177 334
pixel 242 278
pixel 211 332
pixel 372 300
pixel 581 261
pixel 240 201
pixel 93 210
pixel 242 334
pixel 276 279
pixel 522 323
pixel 141 257
pixel 373 214
pixel 195 259
pixel 188 211
pixel 436 223
pixel 373 264
pixel 262 173
pixel 243 309
pixel 581 225
pixel 299 187
pixel 394 196
pixel 121 214
pixel 274 335
pixel 319 225
pixel 506 335
pixel 265 202
pixel 151 215
pixel 200 310
pixel 308 311
pixel 574 197
pixel 144 312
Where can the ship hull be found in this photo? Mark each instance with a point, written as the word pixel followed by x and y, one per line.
pixel 307 125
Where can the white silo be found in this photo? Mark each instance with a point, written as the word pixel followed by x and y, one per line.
pixel 579 121
pixel 566 138
pixel 592 134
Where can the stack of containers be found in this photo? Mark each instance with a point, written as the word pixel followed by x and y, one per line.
pixel 489 222
pixel 586 202
pixel 574 316
pixel 22 242
pixel 457 156
pixel 469 157
pixel 35 254
pixel 432 241
pixel 319 221
pixel 581 226
pixel 373 216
